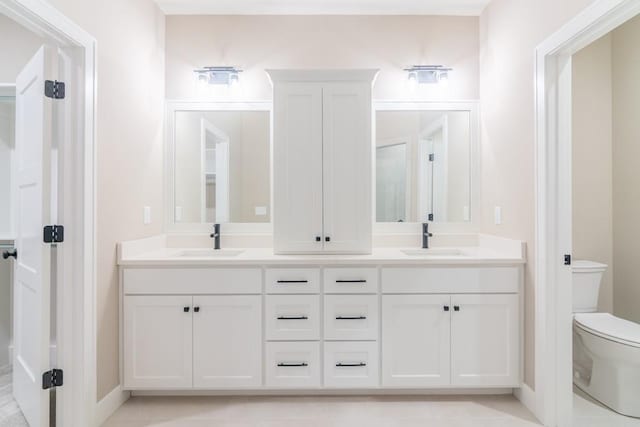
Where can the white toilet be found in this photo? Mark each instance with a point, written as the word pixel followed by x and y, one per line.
pixel 606 349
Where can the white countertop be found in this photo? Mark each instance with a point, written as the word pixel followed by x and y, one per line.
pixel 147 252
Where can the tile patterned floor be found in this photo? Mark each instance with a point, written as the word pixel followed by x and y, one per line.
pixel 10 415
pixel 352 411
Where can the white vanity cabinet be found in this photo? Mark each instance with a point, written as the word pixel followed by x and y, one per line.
pixel 322 161
pixel 176 338
pixel 432 337
pixel 415 340
pixel 313 326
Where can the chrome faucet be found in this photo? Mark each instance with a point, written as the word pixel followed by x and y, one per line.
pixel 216 236
pixel 425 235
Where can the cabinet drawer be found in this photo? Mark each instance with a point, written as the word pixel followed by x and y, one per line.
pixel 293 364
pixel 444 280
pixel 292 317
pixel 351 364
pixel 163 281
pixel 293 280
pixel 351 280
pixel 351 317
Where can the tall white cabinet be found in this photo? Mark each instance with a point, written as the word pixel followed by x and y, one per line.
pixel 322 161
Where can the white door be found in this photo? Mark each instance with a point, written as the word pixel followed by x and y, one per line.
pixel 157 342
pixel 227 341
pixel 297 168
pixel 485 349
pixel 31 330
pixel 222 182
pixel 347 164
pixel 415 340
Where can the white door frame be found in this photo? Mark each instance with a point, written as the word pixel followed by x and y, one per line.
pixel 222 138
pixel 553 354
pixel 76 335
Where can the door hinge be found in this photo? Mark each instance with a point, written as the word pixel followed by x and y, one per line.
pixel 52 378
pixel 54 89
pixel 567 259
pixel 432 157
pixel 53 234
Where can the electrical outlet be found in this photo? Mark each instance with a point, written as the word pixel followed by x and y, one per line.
pixel 147 215
pixel 497 215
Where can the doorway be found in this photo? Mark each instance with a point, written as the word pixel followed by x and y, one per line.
pixel 51 186
pixel 554 219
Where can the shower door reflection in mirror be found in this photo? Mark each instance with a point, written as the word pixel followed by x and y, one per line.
pixel 423 166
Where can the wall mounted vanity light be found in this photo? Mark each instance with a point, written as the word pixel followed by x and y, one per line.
pixel 428 74
pixel 229 76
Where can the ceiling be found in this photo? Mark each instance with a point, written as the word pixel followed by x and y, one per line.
pixel 322 7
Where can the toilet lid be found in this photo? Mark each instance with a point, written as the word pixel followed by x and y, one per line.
pixel 610 327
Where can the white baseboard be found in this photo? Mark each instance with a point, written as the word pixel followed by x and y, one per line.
pixel 110 404
pixel 528 398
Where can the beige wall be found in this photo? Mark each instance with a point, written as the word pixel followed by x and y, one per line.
pixel 592 161
pixel 255 43
pixel 510 30
pixel 626 160
pixel 130 37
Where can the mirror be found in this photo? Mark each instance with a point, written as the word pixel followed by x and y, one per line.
pixel 423 166
pixel 221 162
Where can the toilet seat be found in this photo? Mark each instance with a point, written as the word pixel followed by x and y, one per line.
pixel 610 327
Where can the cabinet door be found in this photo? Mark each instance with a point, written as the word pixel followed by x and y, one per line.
pixel 347 164
pixel 157 342
pixel 485 345
pixel 227 341
pixel 297 168
pixel 415 340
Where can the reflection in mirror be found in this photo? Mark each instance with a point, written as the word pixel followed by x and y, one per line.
pixel 423 166
pixel 222 166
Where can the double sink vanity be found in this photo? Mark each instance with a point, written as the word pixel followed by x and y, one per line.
pixel 246 319
pixel 320 283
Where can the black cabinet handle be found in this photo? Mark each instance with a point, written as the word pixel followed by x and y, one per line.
pixel 186 309
pixel 318 239
pixel 350 365
pixel 293 281
pixel 446 308
pixel 327 239
pixel 456 308
pixel 351 317
pixel 292 365
pixel 293 318
pixel 352 281
pixel 7 254
pixel 196 309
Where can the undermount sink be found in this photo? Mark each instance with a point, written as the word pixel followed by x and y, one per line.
pixel 209 253
pixel 433 252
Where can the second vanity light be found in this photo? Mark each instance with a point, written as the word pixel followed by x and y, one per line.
pixel 428 74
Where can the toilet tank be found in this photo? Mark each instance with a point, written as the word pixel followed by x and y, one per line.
pixel 587 276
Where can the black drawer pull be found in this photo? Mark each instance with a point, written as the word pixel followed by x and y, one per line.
pixel 186 309
pixel 456 308
pixel 196 309
pixel 351 317
pixel 292 365
pixel 350 365
pixel 293 281
pixel 446 308
pixel 293 318
pixel 352 281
